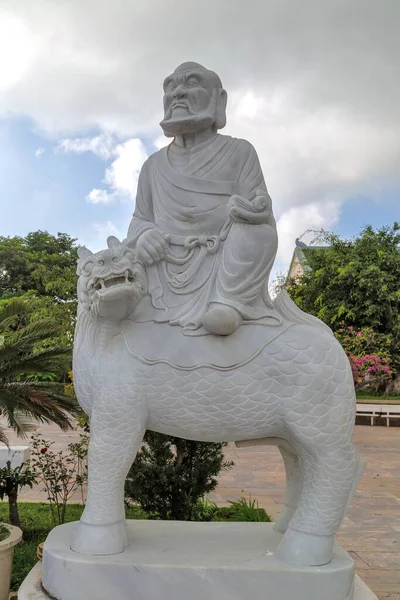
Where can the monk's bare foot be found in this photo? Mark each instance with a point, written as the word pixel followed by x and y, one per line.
pixel 221 319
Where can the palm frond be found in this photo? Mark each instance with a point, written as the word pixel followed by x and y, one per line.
pixel 10 311
pixel 33 333
pixel 36 402
pixel 22 402
pixel 21 423
pixel 45 361
pixel 3 437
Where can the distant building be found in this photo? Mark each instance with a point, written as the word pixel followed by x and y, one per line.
pixel 299 263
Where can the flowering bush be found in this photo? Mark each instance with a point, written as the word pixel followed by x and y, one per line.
pixel 370 369
pixel 62 473
pixel 370 356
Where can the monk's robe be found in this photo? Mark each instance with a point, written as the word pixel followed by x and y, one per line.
pixel 210 259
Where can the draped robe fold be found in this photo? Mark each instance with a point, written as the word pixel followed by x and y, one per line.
pixel 209 258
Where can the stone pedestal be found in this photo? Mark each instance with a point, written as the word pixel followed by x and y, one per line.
pixel 173 560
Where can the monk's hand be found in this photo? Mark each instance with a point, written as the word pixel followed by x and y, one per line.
pixel 256 211
pixel 152 246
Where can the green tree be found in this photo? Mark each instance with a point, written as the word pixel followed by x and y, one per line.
pixel 354 281
pixel 42 266
pixel 171 474
pixel 25 354
pixel 354 287
pixel 39 262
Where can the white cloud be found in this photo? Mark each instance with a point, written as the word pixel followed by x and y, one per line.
pixel 16 48
pixel 313 85
pixel 39 152
pixel 161 141
pixel 102 145
pixel 295 221
pixel 97 196
pixel 123 173
pixel 95 238
pixel 121 176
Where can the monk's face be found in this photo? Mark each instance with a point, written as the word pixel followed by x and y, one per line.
pixel 189 103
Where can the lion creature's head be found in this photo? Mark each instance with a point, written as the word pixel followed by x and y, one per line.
pixel 111 282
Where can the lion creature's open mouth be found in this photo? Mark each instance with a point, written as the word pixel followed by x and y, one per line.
pixel 103 283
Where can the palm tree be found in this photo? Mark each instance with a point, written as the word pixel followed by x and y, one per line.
pixel 25 348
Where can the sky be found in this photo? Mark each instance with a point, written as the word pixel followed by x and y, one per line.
pixel 313 85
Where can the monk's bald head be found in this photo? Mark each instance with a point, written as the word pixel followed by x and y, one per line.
pixel 194 100
pixel 193 67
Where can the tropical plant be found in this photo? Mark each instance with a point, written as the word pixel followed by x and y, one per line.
pixel 205 510
pixel 171 474
pixel 247 510
pixel 25 349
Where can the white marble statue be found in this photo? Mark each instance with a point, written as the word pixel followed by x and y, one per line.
pixel 176 333
pixel 203 223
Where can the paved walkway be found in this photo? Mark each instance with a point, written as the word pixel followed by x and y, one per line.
pixel 371 530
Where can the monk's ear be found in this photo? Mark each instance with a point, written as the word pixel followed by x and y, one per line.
pixel 220 114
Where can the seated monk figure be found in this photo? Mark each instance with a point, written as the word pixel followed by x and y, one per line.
pixel 203 223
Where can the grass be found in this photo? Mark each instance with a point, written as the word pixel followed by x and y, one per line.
pixel 241 510
pixel 4 532
pixel 369 396
pixel 378 400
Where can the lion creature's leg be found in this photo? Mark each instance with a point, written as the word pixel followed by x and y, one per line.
pixel 294 484
pixel 330 475
pixel 117 427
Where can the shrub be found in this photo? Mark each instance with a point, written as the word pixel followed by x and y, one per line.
pixel 170 475
pixel 244 510
pixel 370 354
pixel 62 473
pixel 11 481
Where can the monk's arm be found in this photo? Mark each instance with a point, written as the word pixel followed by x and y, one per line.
pixel 251 179
pixel 143 216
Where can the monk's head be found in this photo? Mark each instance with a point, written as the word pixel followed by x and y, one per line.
pixel 194 100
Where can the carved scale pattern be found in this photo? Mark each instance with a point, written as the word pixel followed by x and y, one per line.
pixel 299 388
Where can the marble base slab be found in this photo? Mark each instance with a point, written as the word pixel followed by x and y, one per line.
pixel 32 589
pixel 200 561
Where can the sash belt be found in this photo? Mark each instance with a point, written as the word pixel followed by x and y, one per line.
pixel 208 244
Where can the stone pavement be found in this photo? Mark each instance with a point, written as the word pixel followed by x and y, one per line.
pixel 371 530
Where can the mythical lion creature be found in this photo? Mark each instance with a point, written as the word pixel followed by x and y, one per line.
pixel 289 384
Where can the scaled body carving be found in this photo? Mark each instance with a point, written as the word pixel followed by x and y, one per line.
pixel 176 333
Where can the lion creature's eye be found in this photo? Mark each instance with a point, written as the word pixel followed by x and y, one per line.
pixel 100 262
pixel 115 258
